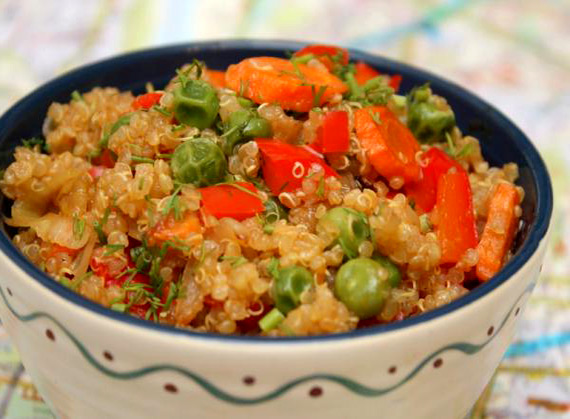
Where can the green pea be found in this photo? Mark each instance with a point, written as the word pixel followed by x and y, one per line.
pixel 233 130
pixel 290 283
pixel 242 125
pixel 196 104
pixel 394 275
pixel 362 286
pixel 198 161
pixel 426 120
pixel 352 226
pixel 257 127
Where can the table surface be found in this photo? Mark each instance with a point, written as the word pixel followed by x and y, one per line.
pixel 515 54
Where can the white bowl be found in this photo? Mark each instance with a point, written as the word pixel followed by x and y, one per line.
pixel 90 362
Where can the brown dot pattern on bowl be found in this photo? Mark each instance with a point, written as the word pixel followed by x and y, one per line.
pixel 50 335
pixel 438 363
pixel 392 369
pixel 9 291
pixel 249 380
pixel 170 388
pixel 490 331
pixel 316 391
pixel 108 356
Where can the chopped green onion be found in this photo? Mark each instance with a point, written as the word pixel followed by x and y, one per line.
pixel 161 110
pixel 76 96
pixel 271 320
pixel 138 159
pixel 425 224
pixel 78 228
pixel 113 248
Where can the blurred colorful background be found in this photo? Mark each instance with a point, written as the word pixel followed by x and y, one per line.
pixel 513 53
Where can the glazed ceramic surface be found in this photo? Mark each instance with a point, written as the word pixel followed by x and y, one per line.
pixel 90 362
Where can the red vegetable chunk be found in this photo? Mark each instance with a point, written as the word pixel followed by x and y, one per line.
pixel 453 216
pixel 424 191
pixel 335 135
pixel 364 72
pixel 147 101
pixel 328 55
pixel 230 201
pixel 390 146
pixel 285 166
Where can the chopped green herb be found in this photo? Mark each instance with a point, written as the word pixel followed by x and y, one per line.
pixel 450 144
pixel 78 228
pixel 162 110
pixel 104 141
pixel 173 292
pixel 239 187
pixel 173 204
pixel 465 150
pixel 177 127
pixel 273 267
pixel 35 141
pixel 425 224
pixel 321 187
pixel 318 95
pixel 77 97
pixel 98 226
pixel 235 260
pixel 113 248
pixel 303 59
pixel 138 159
pixel 164 156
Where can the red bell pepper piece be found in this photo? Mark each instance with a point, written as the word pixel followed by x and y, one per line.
pixel 105 159
pixel 364 72
pixel 328 55
pixel 390 146
pixel 96 171
pixel 147 101
pixel 230 201
pixel 284 166
pixel 424 191
pixel 453 216
pixel 334 133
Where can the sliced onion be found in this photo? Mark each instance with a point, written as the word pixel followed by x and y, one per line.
pixel 82 261
pixel 58 229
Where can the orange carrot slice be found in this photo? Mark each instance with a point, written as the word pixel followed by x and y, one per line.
pixel 389 144
pixel 295 87
pixel 499 231
pixel 171 229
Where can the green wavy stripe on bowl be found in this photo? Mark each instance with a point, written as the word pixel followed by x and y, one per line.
pixel 349 384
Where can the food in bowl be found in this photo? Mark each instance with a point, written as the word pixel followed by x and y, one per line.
pixel 279 197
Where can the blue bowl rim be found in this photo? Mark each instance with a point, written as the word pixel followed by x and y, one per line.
pixel 536 233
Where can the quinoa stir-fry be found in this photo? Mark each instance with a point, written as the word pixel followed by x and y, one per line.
pixel 278 197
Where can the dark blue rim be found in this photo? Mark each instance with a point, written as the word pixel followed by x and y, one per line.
pixel 536 233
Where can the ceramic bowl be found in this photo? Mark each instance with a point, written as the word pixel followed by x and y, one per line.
pixel 90 362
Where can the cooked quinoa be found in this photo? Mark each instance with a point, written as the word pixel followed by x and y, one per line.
pixel 280 197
